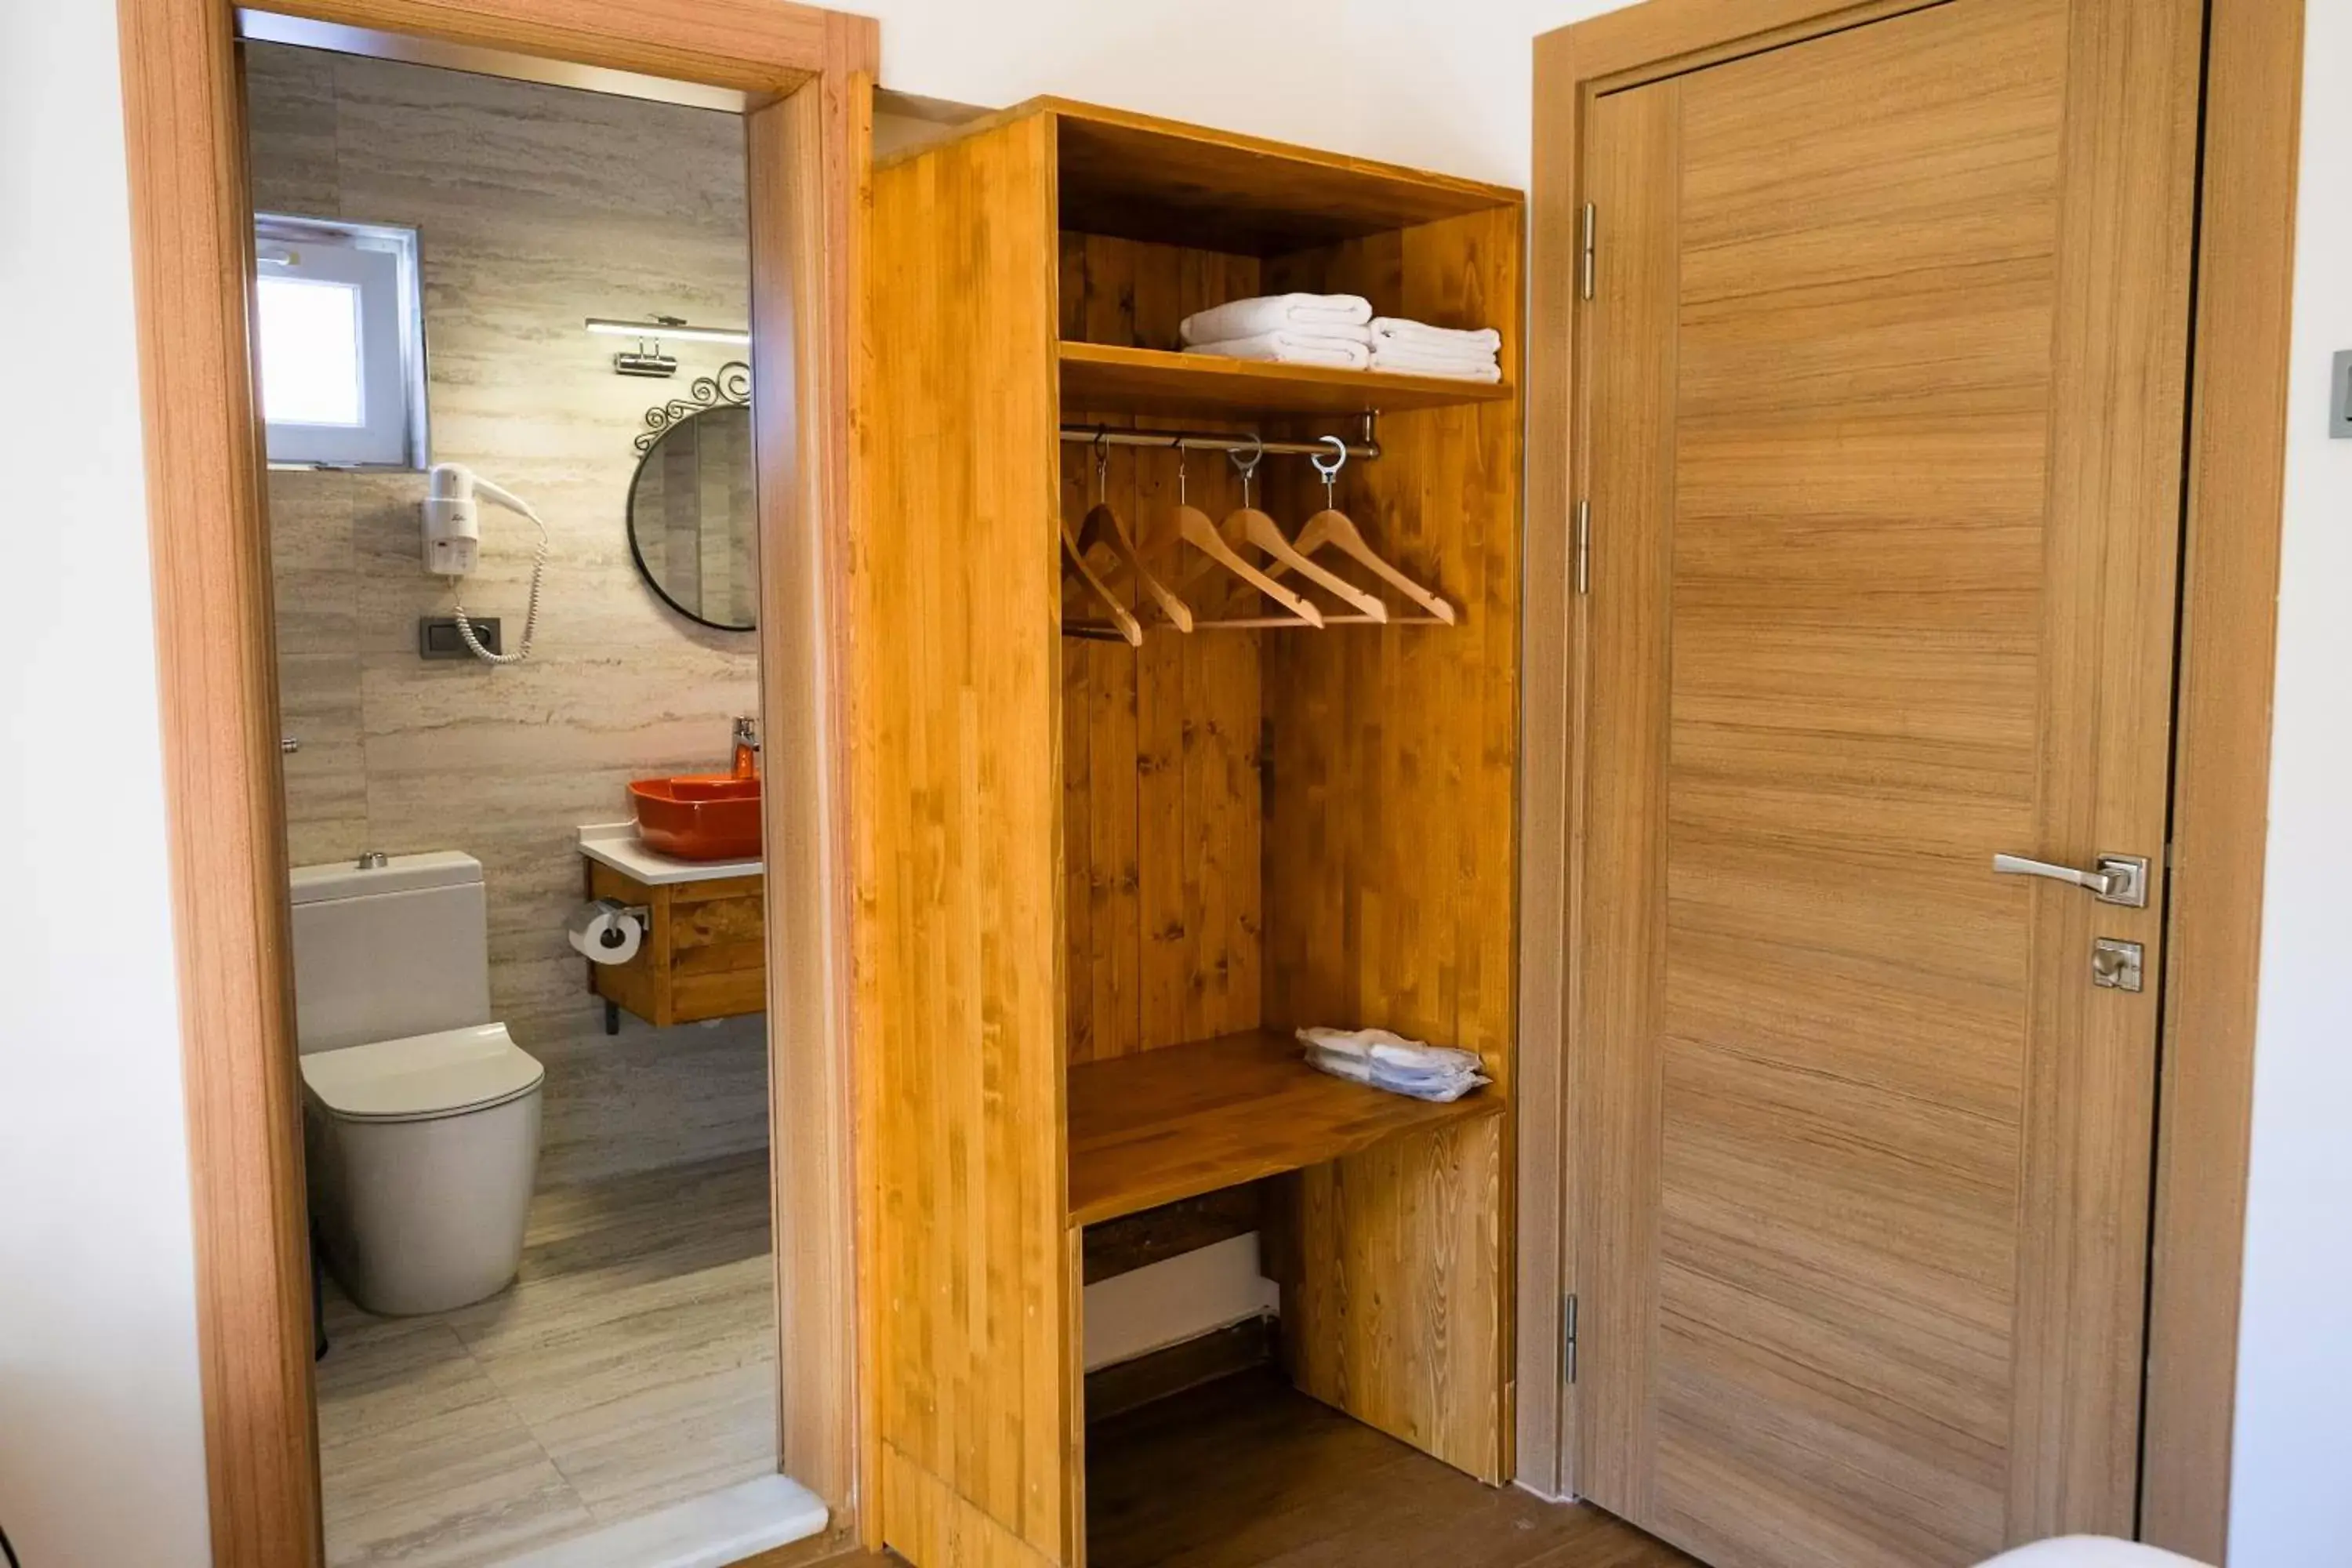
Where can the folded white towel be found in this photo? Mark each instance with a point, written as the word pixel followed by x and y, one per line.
pixel 1292 348
pixel 1395 329
pixel 1275 313
pixel 1436 364
pixel 1439 1090
pixel 1317 331
pixel 1389 1049
pixel 1391 1062
pixel 1430 358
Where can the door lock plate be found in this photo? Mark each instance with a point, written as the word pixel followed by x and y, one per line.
pixel 2116 965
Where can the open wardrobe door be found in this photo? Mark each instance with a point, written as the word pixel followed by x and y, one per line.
pixel 1885 381
pixel 958 984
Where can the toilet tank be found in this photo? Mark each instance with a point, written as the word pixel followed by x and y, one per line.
pixel 384 952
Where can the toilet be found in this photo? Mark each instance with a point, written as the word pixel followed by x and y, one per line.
pixel 420 1116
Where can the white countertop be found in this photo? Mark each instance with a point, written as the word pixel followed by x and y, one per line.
pixel 615 844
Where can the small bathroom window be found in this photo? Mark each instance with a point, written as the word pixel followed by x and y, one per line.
pixel 341 327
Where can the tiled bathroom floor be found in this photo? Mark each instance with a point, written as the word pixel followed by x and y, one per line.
pixel 630 1366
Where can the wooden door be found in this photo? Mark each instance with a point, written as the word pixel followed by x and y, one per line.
pixel 1884 401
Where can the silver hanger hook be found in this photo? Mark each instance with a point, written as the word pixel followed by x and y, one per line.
pixel 1249 469
pixel 1180 455
pixel 1102 462
pixel 1330 470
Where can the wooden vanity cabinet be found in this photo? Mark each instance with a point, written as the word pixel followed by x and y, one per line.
pixel 704 954
pixel 1098 886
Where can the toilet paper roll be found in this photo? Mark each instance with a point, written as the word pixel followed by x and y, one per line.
pixel 606 931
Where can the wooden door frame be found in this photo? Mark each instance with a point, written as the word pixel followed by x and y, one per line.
pixel 2236 447
pixel 806 76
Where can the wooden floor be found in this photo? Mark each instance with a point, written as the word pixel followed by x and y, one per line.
pixel 631 1366
pixel 1249 1473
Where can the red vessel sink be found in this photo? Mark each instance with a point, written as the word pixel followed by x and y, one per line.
pixel 699 817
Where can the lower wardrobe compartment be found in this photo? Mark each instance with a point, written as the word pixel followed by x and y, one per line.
pixel 1101 881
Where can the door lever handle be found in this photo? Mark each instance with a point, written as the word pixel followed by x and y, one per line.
pixel 2098 881
pixel 2113 879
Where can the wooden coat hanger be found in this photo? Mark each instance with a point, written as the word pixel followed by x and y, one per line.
pixel 1332 526
pixel 1257 528
pixel 1122 625
pixel 1202 535
pixel 1103 525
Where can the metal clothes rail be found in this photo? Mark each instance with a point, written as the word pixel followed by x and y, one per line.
pixel 1360 450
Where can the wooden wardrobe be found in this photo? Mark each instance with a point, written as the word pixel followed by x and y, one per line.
pixel 1098 885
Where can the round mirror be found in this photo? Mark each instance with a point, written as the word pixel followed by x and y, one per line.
pixel 692 523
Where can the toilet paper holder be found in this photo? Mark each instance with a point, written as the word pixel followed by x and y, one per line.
pixel 608 932
pixel 617 916
pixel 641 913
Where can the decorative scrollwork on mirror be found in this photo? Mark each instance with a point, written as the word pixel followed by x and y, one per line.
pixel 692 522
pixel 730 385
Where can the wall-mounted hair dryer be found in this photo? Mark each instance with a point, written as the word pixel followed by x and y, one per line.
pixel 452 538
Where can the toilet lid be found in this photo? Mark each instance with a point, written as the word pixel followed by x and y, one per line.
pixel 422 1076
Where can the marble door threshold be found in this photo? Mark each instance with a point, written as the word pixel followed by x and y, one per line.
pixel 709 1531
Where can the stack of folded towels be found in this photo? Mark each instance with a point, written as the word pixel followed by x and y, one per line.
pixel 1392 1062
pixel 1339 330
pixel 1294 329
pixel 1413 348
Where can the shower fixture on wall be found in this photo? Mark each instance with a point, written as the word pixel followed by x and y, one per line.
pixel 646 358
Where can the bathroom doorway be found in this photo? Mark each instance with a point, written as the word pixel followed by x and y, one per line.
pixel 557 1317
pixel 674 1332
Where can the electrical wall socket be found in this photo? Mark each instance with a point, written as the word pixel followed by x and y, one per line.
pixel 2339 398
pixel 437 637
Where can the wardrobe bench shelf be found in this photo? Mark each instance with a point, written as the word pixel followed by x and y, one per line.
pixel 1157 1126
pixel 1103 376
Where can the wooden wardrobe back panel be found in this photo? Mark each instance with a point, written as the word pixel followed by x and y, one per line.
pixel 1389 874
pixel 959 995
pixel 1161 745
pixel 1133 294
pixel 1389 860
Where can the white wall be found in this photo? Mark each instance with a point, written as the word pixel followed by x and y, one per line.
pixel 1439 86
pixel 2290 1505
pixel 101 1457
pixel 97 1373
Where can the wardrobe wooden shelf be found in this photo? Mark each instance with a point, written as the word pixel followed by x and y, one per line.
pixel 1155 381
pixel 1157 1126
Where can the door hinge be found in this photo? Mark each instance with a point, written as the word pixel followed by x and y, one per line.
pixel 1584 547
pixel 1587 245
pixel 1568 1338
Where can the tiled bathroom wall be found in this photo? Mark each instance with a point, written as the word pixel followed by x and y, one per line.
pixel 536 207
